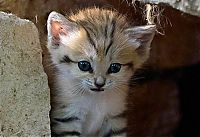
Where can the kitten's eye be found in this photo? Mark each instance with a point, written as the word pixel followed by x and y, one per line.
pixel 114 68
pixel 84 66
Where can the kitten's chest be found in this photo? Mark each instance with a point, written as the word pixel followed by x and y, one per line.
pixel 97 108
pixel 94 119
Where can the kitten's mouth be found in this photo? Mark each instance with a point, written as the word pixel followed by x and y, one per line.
pixel 97 89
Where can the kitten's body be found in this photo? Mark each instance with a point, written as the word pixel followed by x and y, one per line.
pixel 96 53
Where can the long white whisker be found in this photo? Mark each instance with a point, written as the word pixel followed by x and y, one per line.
pixel 76 89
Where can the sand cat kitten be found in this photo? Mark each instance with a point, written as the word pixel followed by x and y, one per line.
pixel 96 52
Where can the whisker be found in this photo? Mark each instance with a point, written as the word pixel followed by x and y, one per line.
pixel 76 89
pixel 119 91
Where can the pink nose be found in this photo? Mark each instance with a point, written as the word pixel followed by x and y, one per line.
pixel 99 82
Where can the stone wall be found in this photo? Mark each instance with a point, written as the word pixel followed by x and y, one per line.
pixel 24 92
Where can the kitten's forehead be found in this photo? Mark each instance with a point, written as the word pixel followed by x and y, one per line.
pixel 100 22
pixel 101 50
pixel 104 30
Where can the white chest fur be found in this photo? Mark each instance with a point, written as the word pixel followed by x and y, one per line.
pixel 96 107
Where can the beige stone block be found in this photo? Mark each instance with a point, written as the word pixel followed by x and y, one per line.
pixel 24 91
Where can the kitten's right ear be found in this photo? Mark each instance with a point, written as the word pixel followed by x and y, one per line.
pixel 58 26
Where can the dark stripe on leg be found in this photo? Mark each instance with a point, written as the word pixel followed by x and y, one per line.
pixel 116 132
pixel 66 133
pixel 68 119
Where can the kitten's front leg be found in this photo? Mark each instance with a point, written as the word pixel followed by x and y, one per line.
pixel 114 127
pixel 66 127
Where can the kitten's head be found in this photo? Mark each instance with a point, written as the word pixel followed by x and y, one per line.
pixel 97 49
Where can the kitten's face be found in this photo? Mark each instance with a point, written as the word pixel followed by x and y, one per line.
pixel 98 58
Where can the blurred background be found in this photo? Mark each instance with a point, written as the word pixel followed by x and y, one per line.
pixel 165 99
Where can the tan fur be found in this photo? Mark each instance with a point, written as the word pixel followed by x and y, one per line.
pixel 97 36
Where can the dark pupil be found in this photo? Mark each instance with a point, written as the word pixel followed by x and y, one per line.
pixel 114 68
pixel 84 65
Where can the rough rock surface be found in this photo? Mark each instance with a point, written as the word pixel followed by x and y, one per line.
pixel 24 92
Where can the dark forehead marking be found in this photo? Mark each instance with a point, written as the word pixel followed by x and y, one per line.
pixel 113 24
pixel 113 27
pixel 90 38
pixel 111 42
pixel 90 27
pixel 106 27
pixel 106 31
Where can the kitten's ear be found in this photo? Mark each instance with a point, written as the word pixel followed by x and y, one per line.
pixel 58 26
pixel 140 38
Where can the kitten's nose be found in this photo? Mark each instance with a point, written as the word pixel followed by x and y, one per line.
pixel 99 82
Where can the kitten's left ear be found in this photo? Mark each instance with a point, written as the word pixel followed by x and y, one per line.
pixel 59 26
pixel 140 37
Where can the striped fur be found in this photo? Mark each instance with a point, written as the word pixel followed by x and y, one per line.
pixel 100 37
